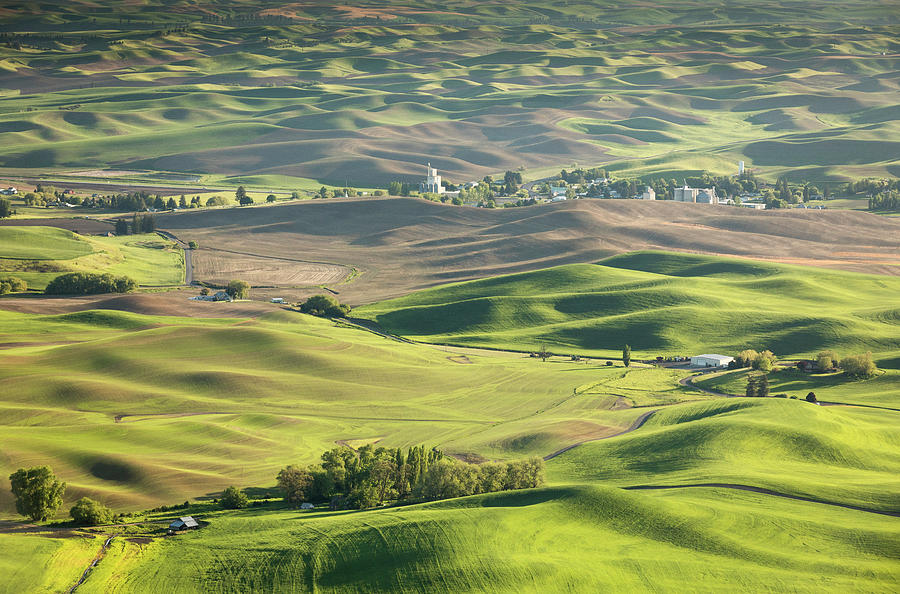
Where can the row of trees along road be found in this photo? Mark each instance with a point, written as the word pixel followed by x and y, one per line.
pixel 372 476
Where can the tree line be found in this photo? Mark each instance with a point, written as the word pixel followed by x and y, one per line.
pixel 371 476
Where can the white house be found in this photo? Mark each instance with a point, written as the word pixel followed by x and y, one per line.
pixel 558 199
pixel 10 191
pixel 648 194
pixel 277 299
pixel 711 361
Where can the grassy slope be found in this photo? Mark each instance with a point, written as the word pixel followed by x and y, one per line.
pixel 580 538
pixel 147 258
pixel 270 392
pixel 660 304
pixel 291 385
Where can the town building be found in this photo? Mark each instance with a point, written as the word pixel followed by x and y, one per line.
pixel 648 194
pixel 432 181
pixel 701 195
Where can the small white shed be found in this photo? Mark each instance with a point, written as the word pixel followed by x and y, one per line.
pixel 711 361
pixel 307 506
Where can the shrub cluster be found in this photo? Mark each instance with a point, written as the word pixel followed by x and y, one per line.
pixel 88 283
pixel 91 513
pixel 12 284
pixel 371 476
pixel 764 361
pixel 860 366
pixel 234 498
pixel 324 306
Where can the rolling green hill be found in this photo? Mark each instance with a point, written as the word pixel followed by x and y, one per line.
pixel 361 94
pixel 39 254
pixel 659 303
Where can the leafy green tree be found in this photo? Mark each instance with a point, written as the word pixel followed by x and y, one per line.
pixel 193 245
pixel 5 208
pixel 37 491
pixel 233 498
pixel 859 366
pixel 12 284
pixel 241 196
pixel 746 357
pixel 626 356
pixel 765 361
pixel 325 193
pixel 88 512
pixel 216 201
pixel 296 483
pixel 827 360
pixel 88 283
pixel 324 306
pixel 238 289
pixel 171 205
pixel 295 195
pixel 394 188
pixel 158 203
pixel 271 198
pixel 121 227
pixel 182 202
pixel 811 397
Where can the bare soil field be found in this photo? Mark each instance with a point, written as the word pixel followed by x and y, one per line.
pixel 172 303
pixel 82 226
pixel 401 245
pixel 218 267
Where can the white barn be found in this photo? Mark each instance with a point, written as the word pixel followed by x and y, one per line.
pixel 711 360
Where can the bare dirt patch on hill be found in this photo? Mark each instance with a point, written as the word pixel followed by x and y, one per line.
pixel 402 245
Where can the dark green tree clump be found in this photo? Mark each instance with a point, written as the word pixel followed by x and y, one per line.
pixel 5 208
pixel 37 491
pixel 89 283
pixel 12 284
pixel 271 198
pixel 143 224
pixel 238 289
pixel 324 306
pixel 233 498
pixel 372 476
pixel 88 512
pixel 242 197
pixel 626 356
pixel 121 227
pixel 757 386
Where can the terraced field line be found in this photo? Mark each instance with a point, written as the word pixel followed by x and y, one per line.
pixel 638 422
pixel 764 491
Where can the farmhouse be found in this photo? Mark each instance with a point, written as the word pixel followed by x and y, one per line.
pixel 10 191
pixel 185 523
pixel 711 360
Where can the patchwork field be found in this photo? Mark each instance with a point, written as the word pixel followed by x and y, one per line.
pixel 38 254
pixel 363 95
pixel 656 480
pixel 400 245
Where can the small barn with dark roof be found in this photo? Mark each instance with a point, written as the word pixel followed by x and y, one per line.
pixel 185 523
